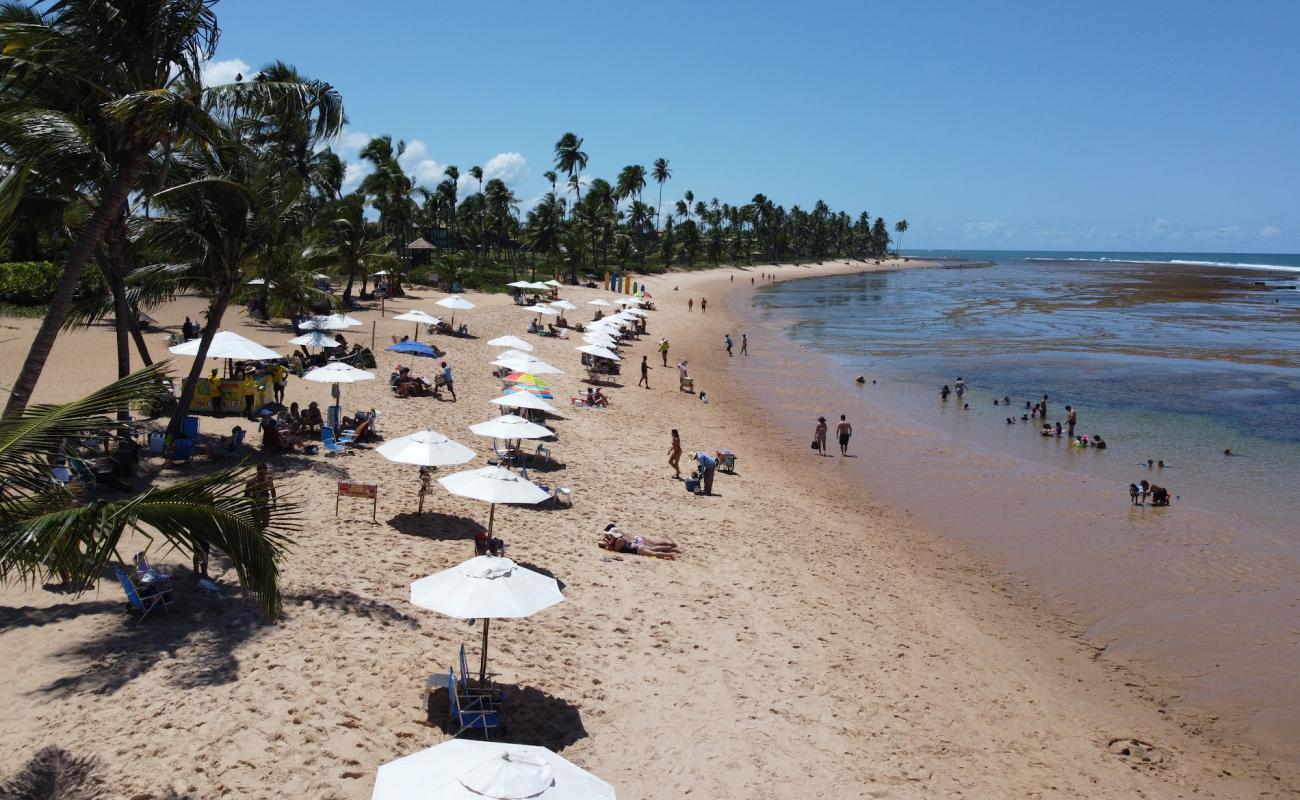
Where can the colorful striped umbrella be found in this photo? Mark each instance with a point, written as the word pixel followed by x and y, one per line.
pixel 527 382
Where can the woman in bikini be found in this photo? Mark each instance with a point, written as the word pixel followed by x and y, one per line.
pixel 615 540
pixel 675 455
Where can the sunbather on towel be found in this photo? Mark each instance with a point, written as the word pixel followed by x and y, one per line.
pixel 619 542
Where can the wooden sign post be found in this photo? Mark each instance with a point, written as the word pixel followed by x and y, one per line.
pixel 365 491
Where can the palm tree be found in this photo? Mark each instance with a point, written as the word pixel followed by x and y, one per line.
pixel 501 205
pixel 550 176
pixel 661 173
pixel 134 68
pixel 350 241
pixel 476 172
pixel 545 224
pixel 449 189
pixel 45 532
pixel 631 182
pixel 900 228
pixel 570 160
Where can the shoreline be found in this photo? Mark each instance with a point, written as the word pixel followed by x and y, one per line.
pixel 810 635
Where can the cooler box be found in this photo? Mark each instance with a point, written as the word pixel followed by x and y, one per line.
pixel 692 486
pixel 688 384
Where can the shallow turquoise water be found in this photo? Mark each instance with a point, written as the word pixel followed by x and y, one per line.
pixel 1172 361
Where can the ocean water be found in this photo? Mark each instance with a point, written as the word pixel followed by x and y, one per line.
pixel 1172 357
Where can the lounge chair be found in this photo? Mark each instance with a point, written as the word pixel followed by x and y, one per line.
pixel 494 695
pixel 144 601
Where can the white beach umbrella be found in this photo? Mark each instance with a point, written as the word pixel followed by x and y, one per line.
pixel 509 426
pixel 486 588
pixel 599 302
pixel 227 344
pixel 331 322
pixel 598 351
pixel 380 272
pixel 519 284
pixel 636 312
pixel 538 286
pixel 525 400
pixel 493 485
pixel 628 301
pixel 529 364
pixel 553 282
pixel 564 304
pixel 338 372
pixel 465 769
pixel 513 342
pixel 545 311
pixel 601 338
pixel 455 303
pixel 419 318
pixel 320 276
pixel 315 339
pixel 425 449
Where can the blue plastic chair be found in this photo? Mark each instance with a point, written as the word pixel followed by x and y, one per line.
pixel 493 695
pixel 190 428
pixel 143 603
pixel 327 441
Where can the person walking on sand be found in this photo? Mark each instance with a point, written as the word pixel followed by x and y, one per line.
pixel 727 339
pixel 690 303
pixel 819 436
pixel 1070 419
pixel 744 344
pixel 663 350
pixel 261 488
pixel 704 305
pixel 446 380
pixel 675 455
pixel 843 431
pixel 645 372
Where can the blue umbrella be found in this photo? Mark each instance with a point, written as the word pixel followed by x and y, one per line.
pixel 414 348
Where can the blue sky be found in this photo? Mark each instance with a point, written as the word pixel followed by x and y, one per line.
pixel 1034 125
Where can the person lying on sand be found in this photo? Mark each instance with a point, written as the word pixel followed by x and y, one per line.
pixel 616 541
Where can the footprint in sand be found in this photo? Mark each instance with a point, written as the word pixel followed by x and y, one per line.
pixel 1137 753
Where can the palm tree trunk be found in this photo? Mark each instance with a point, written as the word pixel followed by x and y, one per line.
pixel 140 346
pixel 92 233
pixel 216 310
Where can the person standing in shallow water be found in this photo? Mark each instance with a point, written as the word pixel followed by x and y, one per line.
pixel 1070 419
pixel 690 303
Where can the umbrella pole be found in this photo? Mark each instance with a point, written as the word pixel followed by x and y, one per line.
pixel 417 331
pixel 492 512
pixel 482 666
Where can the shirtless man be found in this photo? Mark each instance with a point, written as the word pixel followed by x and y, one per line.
pixel 842 432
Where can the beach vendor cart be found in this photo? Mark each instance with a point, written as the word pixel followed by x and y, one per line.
pixel 726 461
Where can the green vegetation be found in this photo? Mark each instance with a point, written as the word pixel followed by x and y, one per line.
pixel 33 283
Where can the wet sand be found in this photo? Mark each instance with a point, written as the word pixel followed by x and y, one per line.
pixel 815 640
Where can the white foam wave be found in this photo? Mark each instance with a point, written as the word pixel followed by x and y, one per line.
pixel 1180 262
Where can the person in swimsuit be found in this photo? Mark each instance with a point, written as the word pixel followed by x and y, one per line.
pixel 819 435
pixel 844 430
pixel 616 541
pixel 675 455
pixel 261 487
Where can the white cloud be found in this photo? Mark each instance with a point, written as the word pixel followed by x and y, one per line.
pixel 353 172
pixel 989 229
pixel 415 160
pixel 216 73
pixel 351 141
pixel 1221 232
pixel 506 166
pixel 1268 232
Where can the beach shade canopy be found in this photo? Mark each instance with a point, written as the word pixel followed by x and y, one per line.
pixel 513 342
pixel 465 769
pixel 455 302
pixel 598 351
pixel 525 400
pixel 599 302
pixel 419 318
pixel 545 311
pixel 522 362
pixel 553 282
pixel 601 336
pixel 331 322
pixel 538 286
pixel 413 348
pixel 315 339
pixel 486 587
pixel 527 382
pixel 416 315
pixel 426 449
pixel 564 304
pixel 520 285
pixel 509 426
pixel 636 312
pixel 380 272
pixel 228 344
pixel 338 372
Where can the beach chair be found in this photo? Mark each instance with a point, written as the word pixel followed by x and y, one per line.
pixel 469 712
pixel 327 441
pixel 493 695
pixel 144 602
pixel 157 443
pixel 190 428
pixel 353 437
pixel 504 453
pixel 232 450
pixel 182 451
